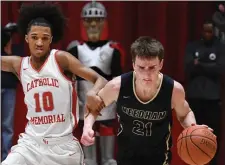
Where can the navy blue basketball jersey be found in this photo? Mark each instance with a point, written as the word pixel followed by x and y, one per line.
pixel 145 127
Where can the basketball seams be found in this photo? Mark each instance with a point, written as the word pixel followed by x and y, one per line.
pixel 202 136
pixel 190 133
pixel 200 149
pixel 188 149
pixel 198 136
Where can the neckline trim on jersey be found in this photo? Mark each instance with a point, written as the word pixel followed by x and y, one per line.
pixel 157 92
pixel 42 66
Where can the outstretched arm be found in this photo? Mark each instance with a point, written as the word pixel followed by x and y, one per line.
pixel 70 63
pixel 184 114
pixel 11 64
pixel 108 94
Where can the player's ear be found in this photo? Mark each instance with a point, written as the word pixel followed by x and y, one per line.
pixel 133 63
pixel 51 40
pixel 161 64
pixel 26 38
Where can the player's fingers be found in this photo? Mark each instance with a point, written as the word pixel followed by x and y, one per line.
pixel 207 127
pixel 210 129
pixel 90 137
pixel 87 141
pixel 82 141
pixel 100 107
pixel 93 110
pixel 100 103
pixel 91 133
pixel 90 141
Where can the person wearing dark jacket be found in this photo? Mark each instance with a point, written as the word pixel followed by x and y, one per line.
pixel 204 67
pixel 219 21
pixel 8 92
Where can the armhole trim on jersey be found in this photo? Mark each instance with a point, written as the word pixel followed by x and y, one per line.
pixel 20 70
pixel 74 105
pixel 167 144
pixel 60 69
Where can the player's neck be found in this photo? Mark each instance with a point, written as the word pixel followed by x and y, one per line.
pixel 37 62
pixel 151 89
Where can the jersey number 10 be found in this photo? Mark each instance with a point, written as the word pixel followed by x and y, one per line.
pixel 47 101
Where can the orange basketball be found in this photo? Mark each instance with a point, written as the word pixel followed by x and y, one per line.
pixel 196 145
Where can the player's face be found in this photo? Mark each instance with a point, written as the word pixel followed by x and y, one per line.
pixel 93 28
pixel 208 32
pixel 39 39
pixel 147 70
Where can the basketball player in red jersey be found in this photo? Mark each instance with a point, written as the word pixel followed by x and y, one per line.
pixel 48 91
pixel 145 99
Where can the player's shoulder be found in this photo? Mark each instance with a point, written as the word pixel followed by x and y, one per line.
pixel 167 80
pixel 178 85
pixel 62 58
pixel 178 88
pixel 74 44
pixel 17 60
pixel 17 63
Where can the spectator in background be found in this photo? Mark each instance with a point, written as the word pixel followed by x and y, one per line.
pixel 219 21
pixel 204 65
pixel 8 92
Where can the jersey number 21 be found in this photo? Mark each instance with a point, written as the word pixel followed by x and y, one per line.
pixel 141 128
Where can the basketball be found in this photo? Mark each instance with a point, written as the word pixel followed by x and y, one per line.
pixel 196 145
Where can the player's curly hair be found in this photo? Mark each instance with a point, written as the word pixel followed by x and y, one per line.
pixel 42 14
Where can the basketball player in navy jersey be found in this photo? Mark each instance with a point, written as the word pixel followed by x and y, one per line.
pixel 145 98
pixel 48 91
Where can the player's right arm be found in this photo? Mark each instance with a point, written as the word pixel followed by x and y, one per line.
pixel 108 94
pixel 11 64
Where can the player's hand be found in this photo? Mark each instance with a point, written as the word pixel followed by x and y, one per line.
pixel 203 125
pixel 87 138
pixel 207 127
pixel 94 103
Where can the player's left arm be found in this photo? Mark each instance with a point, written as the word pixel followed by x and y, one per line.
pixel 184 113
pixel 70 63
